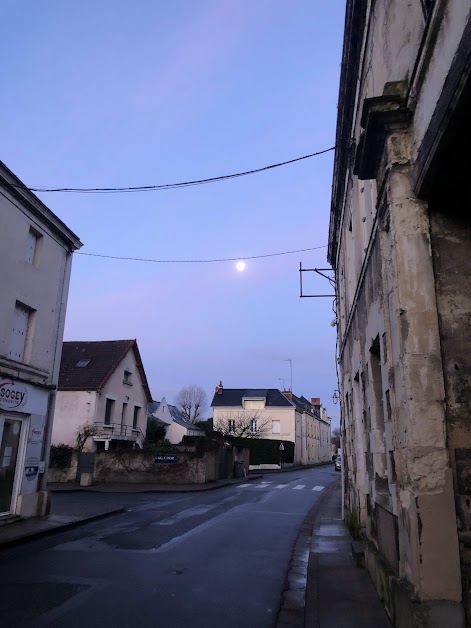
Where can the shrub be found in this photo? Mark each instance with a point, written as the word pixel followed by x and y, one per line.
pixel 60 456
pixel 266 450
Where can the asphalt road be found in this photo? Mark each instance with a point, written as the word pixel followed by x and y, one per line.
pixel 206 559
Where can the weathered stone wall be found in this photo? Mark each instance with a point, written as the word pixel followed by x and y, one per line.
pixel 68 474
pixel 140 467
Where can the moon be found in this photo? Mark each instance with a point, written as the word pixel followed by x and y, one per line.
pixel 240 266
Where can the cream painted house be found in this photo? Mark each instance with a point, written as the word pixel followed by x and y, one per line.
pixel 170 416
pixel 270 413
pixel 400 242
pixel 35 263
pixel 103 385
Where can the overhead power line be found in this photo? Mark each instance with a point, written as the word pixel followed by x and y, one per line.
pixel 200 261
pixel 171 186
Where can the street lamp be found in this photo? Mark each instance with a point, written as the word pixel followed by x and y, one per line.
pixel 336 396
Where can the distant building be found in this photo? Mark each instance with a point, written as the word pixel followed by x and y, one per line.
pixel 270 413
pixel 35 263
pixel 400 242
pixel 170 416
pixel 102 385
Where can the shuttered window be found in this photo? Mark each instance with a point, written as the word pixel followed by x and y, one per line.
pixel 21 333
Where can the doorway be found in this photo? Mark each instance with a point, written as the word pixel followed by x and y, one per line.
pixel 11 448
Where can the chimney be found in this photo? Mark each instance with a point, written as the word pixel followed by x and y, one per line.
pixel 316 401
pixel 219 388
pixel 288 394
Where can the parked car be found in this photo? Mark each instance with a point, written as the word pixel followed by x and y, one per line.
pixel 338 462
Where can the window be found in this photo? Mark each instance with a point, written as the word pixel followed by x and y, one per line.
pixel 231 426
pixel 275 427
pixel 135 417
pixel 253 425
pixel 109 411
pixel 33 247
pixel 22 333
pixel 82 364
pixel 127 378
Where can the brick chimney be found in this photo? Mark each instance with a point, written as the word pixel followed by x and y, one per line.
pixel 219 388
pixel 288 394
pixel 316 401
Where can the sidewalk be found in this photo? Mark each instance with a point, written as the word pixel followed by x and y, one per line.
pixel 70 516
pixel 325 589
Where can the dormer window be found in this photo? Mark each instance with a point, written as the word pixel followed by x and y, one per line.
pixel 127 378
pixel 82 364
pixel 253 404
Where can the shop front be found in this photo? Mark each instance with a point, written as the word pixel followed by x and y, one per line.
pixel 23 412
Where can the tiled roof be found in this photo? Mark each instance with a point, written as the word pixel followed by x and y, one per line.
pixel 232 397
pixel 104 358
pixel 175 413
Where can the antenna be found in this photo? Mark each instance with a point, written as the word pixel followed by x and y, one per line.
pixel 290 371
pixel 283 380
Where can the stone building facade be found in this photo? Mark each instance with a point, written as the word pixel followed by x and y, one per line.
pixel 399 241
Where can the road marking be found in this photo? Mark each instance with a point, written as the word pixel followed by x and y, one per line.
pixel 299 487
pixel 318 488
pixel 243 485
pixel 267 482
pixel 280 486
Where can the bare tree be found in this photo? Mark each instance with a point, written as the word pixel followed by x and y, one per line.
pixel 192 402
pixel 83 434
pixel 243 424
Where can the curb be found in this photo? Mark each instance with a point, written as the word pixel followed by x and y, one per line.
pixel 59 528
pixel 157 490
pixel 292 612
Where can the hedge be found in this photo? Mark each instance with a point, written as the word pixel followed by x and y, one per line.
pixel 266 450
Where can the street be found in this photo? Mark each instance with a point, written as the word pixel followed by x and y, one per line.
pixel 202 559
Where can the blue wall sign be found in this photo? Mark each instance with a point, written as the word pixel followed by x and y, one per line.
pixel 166 458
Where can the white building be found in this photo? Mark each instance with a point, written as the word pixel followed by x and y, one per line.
pixel 103 386
pixel 270 413
pixel 35 263
pixel 170 416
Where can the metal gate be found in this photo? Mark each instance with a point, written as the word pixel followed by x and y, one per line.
pixel 85 463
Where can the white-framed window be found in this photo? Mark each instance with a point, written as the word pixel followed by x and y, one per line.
pixel 253 425
pixel 127 377
pixel 22 333
pixel 275 427
pixel 33 247
pixel 231 425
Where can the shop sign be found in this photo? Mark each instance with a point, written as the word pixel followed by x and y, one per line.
pixel 13 395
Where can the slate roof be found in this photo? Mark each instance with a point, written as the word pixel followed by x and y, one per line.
pixel 105 357
pixel 175 413
pixel 231 397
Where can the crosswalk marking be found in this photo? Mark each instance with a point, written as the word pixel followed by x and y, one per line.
pixel 280 486
pixel 298 487
pixel 267 485
pixel 318 488
pixel 243 485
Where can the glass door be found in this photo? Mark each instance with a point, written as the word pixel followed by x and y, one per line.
pixel 10 440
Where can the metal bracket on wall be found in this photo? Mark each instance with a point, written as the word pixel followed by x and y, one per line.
pixel 319 271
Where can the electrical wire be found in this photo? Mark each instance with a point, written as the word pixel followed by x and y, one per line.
pixel 199 261
pixel 171 186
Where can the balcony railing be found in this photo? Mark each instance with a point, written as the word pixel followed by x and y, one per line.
pixel 116 431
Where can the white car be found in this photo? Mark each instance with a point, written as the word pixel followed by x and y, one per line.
pixel 338 462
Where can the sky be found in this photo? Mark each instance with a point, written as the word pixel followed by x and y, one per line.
pixel 109 94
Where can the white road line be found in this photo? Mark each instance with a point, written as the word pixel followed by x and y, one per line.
pixel 243 485
pixel 318 488
pixel 299 487
pixel 280 486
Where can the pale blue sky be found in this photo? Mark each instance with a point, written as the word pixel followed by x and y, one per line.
pixel 112 93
